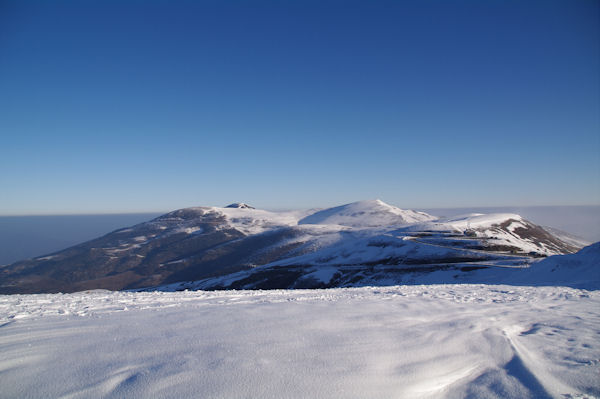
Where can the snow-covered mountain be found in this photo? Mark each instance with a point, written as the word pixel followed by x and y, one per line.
pixel 373 213
pixel 366 242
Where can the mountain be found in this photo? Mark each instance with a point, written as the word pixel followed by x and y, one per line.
pixel 373 213
pixel 366 242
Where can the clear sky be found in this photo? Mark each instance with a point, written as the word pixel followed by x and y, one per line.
pixel 121 106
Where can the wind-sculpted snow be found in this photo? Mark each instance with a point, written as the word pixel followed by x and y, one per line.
pixel 445 341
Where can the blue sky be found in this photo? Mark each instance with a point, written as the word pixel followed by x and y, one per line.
pixel 124 106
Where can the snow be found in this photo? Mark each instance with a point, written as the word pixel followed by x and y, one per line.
pixel 356 249
pixel 243 218
pixel 469 221
pixel 581 270
pixel 488 226
pixel 255 221
pixel 432 341
pixel 188 230
pixel 372 213
pixel 240 205
pixel 348 256
pixel 322 274
pixel 47 257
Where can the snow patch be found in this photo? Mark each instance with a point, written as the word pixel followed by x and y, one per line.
pixel 47 257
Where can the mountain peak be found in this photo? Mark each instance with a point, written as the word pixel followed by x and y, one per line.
pixel 240 205
pixel 369 213
pixel 370 202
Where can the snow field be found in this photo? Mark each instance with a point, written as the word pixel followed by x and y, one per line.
pixel 436 341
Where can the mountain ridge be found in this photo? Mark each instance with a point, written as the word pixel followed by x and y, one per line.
pixel 198 243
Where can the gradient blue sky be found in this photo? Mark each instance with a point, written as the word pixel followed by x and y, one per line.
pixel 122 106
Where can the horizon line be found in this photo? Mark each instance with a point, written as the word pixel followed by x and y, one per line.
pixel 115 213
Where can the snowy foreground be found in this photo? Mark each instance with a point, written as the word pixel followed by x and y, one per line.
pixel 444 341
